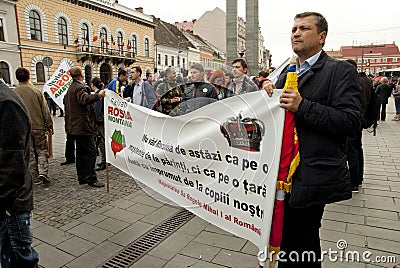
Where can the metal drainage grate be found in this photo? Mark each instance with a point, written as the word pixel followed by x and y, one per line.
pixel 138 248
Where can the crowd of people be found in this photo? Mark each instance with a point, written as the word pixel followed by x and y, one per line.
pixel 330 114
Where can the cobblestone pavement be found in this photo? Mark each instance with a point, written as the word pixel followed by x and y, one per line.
pixel 64 200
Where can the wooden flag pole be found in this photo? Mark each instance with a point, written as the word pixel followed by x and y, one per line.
pixel 107 179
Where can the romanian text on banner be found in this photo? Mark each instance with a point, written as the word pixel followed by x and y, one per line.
pixel 59 83
pixel 220 161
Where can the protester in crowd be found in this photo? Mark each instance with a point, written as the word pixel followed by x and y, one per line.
pixel 149 78
pixel 196 93
pixel 117 84
pixel 160 79
pixel 228 79
pixel 218 80
pixel 42 125
pixel 80 124
pixel 16 186
pixel 271 69
pixel 384 91
pixel 96 85
pixel 241 83
pixel 326 112
pixel 140 91
pixel 169 94
pixel 179 80
pixel 261 76
pixel 197 87
pixel 396 95
pixel 355 154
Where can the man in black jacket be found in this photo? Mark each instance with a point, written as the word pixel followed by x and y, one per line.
pixel 16 185
pixel 327 110
pixel 80 124
pixel 384 91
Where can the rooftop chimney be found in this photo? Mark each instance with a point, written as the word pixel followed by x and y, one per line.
pixel 139 9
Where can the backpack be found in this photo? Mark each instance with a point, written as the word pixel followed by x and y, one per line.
pixel 372 112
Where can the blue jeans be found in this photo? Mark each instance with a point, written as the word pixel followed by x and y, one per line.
pixel 397 105
pixel 15 241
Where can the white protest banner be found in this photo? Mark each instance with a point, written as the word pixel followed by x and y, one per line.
pixel 59 83
pixel 220 162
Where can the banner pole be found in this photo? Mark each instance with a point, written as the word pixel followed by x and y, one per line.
pixel 107 179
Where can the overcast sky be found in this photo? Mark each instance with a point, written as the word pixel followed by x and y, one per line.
pixel 350 22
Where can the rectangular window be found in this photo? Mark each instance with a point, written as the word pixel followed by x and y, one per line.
pixel 359 60
pixel 378 60
pixel 372 60
pixel 159 59
pixel 1 30
pixel 166 60
pixel 172 61
pixel 384 59
pixel 394 59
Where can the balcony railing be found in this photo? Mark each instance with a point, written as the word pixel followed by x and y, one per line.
pixel 98 54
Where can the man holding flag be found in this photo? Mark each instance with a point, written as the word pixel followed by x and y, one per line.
pixel 326 112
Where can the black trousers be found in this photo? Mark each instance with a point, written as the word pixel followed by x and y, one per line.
pixel 355 158
pixel 301 234
pixel 383 111
pixel 70 148
pixel 85 158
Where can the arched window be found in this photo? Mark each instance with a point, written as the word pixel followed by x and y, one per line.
pixel 5 72
pixel 35 25
pixel 103 38
pixel 40 73
pixel 62 31
pixel 85 33
pixel 146 48
pixel 1 30
pixel 120 42
pixel 88 74
pixel 105 73
pixel 134 44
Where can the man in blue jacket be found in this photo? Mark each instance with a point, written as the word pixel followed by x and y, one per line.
pixel 327 110
pixel 118 84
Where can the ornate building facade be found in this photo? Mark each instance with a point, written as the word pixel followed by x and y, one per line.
pixel 10 54
pixel 101 36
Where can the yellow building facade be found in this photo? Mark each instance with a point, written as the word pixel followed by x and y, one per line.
pixel 100 36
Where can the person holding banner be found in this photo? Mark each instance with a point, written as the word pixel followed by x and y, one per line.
pixel 42 125
pixel 80 124
pixel 326 112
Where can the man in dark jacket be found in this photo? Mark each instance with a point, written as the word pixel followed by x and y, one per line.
pixel 355 154
pixel 384 91
pixel 16 185
pixel 327 110
pixel 241 83
pixel 80 124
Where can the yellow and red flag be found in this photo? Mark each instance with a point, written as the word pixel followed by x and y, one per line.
pixel 95 38
pixel 289 160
